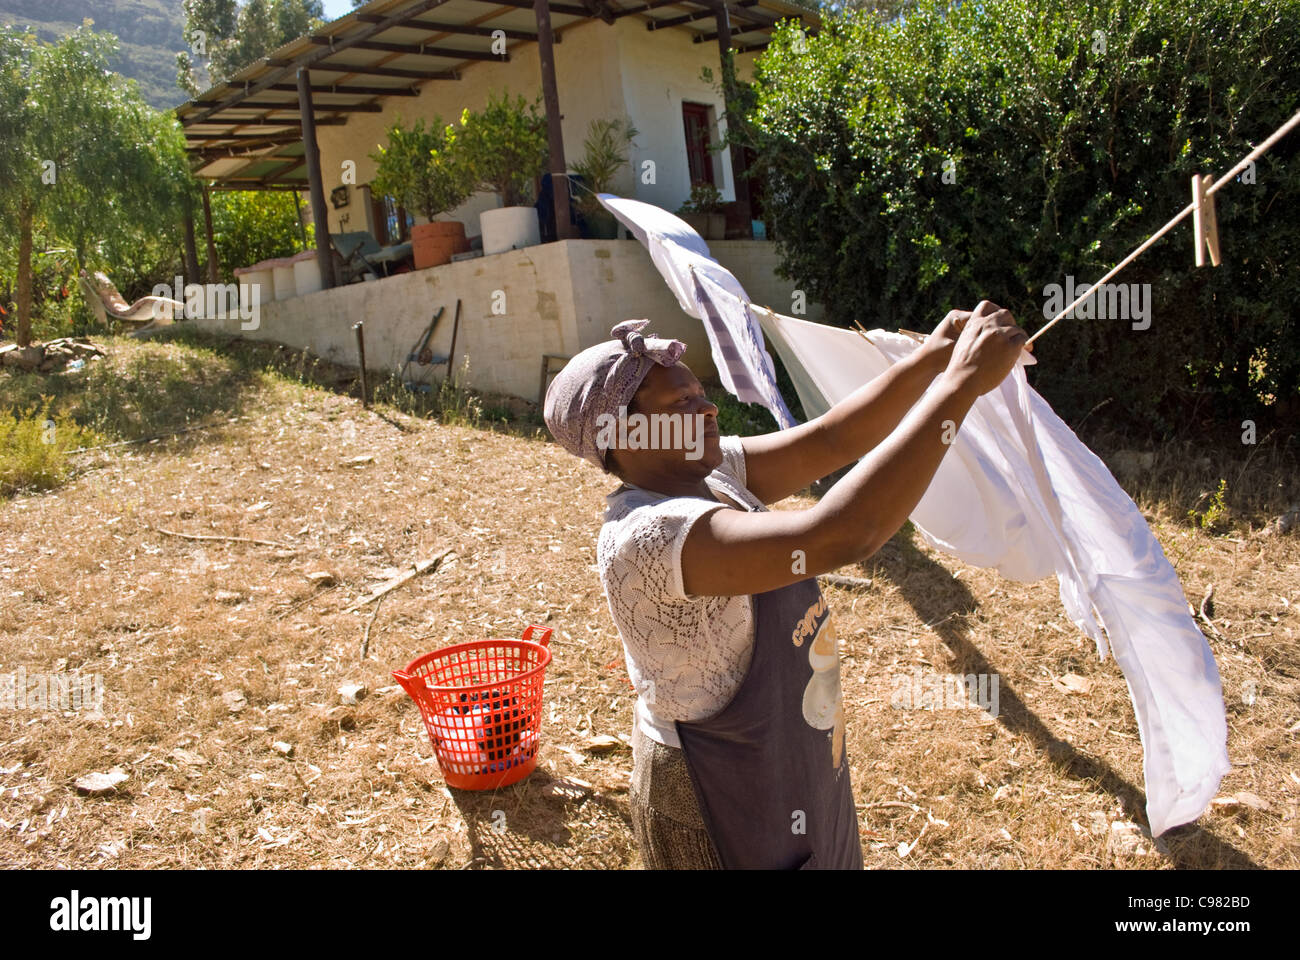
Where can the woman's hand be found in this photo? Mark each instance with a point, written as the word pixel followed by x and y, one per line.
pixel 936 352
pixel 937 349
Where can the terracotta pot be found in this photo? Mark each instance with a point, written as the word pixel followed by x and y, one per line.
pixel 432 244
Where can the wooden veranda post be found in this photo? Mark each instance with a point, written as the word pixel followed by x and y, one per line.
pixel 738 171
pixel 554 137
pixel 212 244
pixel 311 156
pixel 191 249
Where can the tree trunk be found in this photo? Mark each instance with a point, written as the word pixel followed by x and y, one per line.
pixel 24 331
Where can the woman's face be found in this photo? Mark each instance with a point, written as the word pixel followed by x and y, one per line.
pixel 671 429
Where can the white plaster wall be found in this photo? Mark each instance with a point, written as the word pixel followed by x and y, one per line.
pixel 661 68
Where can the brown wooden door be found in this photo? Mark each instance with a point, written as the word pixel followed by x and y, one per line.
pixel 695 119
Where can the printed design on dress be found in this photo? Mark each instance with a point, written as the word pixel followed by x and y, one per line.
pixel 823 703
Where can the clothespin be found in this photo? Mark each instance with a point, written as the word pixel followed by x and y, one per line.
pixel 1204 221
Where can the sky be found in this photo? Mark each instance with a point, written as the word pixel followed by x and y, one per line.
pixel 336 8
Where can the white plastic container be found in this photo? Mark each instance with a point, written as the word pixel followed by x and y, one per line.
pixel 285 285
pixel 258 275
pixel 509 227
pixel 306 272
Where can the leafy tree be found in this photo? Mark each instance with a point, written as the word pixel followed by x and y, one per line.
pixel 422 168
pixel 988 150
pixel 249 226
pixel 81 153
pixel 229 37
pixel 505 146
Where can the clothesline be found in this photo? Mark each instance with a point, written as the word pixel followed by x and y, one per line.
pixel 1242 164
pixel 1088 291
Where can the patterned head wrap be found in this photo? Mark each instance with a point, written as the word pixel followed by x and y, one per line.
pixel 598 381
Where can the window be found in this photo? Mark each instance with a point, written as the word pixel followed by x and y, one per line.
pixel 392 225
pixel 695 119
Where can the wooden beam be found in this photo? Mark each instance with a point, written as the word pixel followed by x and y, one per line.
pixel 311 155
pixel 568 9
pixel 262 138
pixel 598 8
pixel 282 174
pixel 554 135
pixel 692 17
pixel 287 68
pixel 389 72
pixel 654 5
pixel 351 90
pixel 469 30
pixel 419 50
pixel 265 122
pixel 743 28
pixel 273 105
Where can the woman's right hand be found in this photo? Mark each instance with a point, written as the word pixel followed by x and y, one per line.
pixel 987 349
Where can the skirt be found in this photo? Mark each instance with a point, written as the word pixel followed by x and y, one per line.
pixel 666 820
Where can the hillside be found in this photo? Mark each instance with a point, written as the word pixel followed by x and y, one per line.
pixel 149 32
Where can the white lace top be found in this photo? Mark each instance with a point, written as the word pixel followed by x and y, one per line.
pixel 686 655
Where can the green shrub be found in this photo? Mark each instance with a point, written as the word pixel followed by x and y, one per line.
pixel 1069 132
pixel 34 449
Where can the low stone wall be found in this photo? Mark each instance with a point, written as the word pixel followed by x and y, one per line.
pixel 555 298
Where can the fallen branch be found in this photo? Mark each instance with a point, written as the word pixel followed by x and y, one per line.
pixel 365 641
pixel 417 569
pixel 206 536
pixel 840 580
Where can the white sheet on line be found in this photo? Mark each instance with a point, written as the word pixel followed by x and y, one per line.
pixel 1018 492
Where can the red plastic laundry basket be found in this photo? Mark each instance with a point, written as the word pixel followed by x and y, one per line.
pixel 482 707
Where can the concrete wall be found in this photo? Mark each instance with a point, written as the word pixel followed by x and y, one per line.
pixel 557 298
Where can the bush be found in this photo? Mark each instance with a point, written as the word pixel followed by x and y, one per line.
pixel 1069 133
pixel 249 226
pixel 34 449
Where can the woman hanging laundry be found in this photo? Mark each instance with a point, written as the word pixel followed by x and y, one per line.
pixel 739 728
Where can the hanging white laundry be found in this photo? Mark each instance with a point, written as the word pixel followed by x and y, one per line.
pixel 681 256
pixel 1018 492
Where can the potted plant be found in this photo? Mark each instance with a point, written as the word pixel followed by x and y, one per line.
pixel 506 149
pixel 421 169
pixel 703 211
pixel 606 154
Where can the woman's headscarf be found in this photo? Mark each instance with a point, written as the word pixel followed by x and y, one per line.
pixel 598 381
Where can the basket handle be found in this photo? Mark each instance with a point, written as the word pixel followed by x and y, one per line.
pixel 406 680
pixel 545 637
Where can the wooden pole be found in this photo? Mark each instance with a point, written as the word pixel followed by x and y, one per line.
pixel 359 328
pixel 554 136
pixel 191 250
pixel 297 208
pixel 311 155
pixel 738 171
pixel 212 245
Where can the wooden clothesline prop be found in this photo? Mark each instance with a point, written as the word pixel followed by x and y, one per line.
pixel 1204 222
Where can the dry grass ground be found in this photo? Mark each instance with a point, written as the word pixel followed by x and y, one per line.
pixel 211 651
